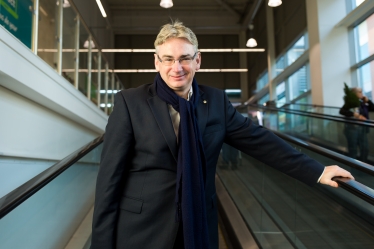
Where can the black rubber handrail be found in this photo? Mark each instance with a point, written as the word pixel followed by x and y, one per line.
pixel 22 193
pixel 364 167
pixel 366 123
pixel 313 105
pixel 356 188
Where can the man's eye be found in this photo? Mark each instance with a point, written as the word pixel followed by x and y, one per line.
pixel 185 59
pixel 168 60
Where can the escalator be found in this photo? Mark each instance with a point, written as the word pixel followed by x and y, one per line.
pixel 258 206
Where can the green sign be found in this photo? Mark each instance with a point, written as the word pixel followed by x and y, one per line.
pixel 16 17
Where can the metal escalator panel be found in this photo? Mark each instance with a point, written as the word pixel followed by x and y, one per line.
pixel 47 210
pixel 282 212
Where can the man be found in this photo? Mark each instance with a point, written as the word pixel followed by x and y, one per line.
pixel 155 188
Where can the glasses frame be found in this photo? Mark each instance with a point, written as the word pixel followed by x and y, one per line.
pixel 174 60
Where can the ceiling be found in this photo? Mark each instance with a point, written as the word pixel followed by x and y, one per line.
pixel 202 16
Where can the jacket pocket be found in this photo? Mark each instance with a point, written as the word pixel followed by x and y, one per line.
pixel 131 204
pixel 212 128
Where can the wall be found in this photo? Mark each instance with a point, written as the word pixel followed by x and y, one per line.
pixel 43 117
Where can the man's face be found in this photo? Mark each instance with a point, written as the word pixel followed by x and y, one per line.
pixel 178 76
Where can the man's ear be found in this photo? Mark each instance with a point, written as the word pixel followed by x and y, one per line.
pixel 157 63
pixel 198 61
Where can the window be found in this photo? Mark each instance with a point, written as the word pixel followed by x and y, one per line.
pixel 297 49
pixel 364 49
pixel 264 99
pixel 356 3
pixel 298 83
pixel 365 77
pixel 262 81
pixel 280 91
pixel 364 39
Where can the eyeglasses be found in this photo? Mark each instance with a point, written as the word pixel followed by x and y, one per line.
pixel 185 60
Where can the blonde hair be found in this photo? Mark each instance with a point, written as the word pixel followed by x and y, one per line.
pixel 176 30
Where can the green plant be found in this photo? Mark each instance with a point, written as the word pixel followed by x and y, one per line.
pixel 350 99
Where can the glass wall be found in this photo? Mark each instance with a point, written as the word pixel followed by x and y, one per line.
pixel 62 41
pixel 364 49
pixel 296 50
pixel 262 81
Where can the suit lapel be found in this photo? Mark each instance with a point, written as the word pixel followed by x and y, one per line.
pixel 161 113
pixel 202 112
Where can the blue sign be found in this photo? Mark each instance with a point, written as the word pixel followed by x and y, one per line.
pixel 16 17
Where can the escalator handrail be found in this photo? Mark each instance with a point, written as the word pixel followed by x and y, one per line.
pixel 367 123
pixel 356 188
pixel 26 190
pixel 364 167
pixel 312 105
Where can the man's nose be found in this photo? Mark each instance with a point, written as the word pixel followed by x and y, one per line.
pixel 177 66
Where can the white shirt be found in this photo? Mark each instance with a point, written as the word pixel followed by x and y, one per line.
pixel 174 115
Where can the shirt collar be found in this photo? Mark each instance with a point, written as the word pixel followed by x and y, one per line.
pixel 189 94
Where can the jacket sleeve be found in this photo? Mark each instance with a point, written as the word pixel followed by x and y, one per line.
pixel 345 111
pixel 118 141
pixel 371 106
pixel 268 148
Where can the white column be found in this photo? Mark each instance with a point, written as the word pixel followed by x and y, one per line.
pixel 270 51
pixel 243 64
pixel 328 51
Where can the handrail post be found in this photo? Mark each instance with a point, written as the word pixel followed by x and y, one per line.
pixel 98 80
pixel 106 87
pixel 76 59
pixel 59 37
pixel 89 76
pixel 35 26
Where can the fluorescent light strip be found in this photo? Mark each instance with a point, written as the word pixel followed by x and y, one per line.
pixel 232 70
pixel 152 50
pixel 109 91
pixel 101 8
pixel 233 90
pixel 108 105
pixel 54 50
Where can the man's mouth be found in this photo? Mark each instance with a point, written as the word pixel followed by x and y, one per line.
pixel 177 76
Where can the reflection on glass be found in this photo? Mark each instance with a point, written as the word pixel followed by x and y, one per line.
pixel 285 213
pixel 366 79
pixel 364 41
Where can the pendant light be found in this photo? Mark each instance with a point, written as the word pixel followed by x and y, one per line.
pixel 274 3
pixel 251 41
pixel 166 4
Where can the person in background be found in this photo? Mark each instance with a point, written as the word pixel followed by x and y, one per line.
pixel 356 134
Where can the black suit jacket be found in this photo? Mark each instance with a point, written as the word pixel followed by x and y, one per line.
pixel 134 206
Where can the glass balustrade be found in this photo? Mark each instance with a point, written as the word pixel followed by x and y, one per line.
pixel 285 213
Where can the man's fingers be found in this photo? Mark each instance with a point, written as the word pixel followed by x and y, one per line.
pixel 333 184
pixel 334 171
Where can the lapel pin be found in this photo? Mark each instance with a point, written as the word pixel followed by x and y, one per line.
pixel 205 101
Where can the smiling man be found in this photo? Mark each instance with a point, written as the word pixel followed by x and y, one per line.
pixel 156 183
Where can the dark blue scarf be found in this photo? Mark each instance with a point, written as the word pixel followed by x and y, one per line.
pixel 191 167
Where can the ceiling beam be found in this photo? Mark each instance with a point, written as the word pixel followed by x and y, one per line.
pixel 228 8
pixel 251 14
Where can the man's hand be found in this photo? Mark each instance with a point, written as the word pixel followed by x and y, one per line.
pixel 333 171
